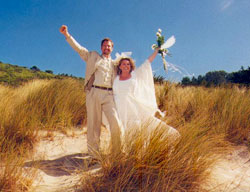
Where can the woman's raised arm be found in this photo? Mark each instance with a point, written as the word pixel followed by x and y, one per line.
pixel 153 55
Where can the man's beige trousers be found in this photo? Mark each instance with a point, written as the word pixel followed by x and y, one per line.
pixel 98 100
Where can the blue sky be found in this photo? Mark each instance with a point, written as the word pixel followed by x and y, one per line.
pixel 210 34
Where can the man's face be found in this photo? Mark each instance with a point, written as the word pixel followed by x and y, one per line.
pixel 107 48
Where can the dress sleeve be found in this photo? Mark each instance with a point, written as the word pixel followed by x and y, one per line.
pixel 82 51
pixel 145 86
pixel 144 72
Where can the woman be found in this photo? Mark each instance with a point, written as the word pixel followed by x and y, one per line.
pixel 134 95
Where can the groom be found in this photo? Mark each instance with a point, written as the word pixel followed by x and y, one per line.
pixel 99 75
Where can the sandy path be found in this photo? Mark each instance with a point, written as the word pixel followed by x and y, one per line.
pixel 231 173
pixel 60 158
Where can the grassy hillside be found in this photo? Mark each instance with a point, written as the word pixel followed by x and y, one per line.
pixel 15 75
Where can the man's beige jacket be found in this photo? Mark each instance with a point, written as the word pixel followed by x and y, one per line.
pixel 92 59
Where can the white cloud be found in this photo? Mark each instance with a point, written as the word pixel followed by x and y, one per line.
pixel 226 4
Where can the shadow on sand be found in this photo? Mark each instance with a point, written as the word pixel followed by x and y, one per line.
pixel 65 165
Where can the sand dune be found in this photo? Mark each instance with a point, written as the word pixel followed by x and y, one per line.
pixel 60 158
pixel 232 172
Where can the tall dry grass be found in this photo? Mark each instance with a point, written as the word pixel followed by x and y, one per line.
pixel 154 162
pixel 224 111
pixel 24 110
pixel 40 104
pixel 207 119
pixel 12 177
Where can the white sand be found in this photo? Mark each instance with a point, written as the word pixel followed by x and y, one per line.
pixel 231 173
pixel 59 158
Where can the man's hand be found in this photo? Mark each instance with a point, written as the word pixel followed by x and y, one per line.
pixel 64 30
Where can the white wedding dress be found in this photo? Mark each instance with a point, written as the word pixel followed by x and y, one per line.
pixel 135 100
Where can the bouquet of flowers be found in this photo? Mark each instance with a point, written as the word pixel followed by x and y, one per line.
pixel 163 46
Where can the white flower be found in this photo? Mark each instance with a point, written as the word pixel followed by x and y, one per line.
pixel 158 34
pixel 153 46
pixel 164 54
pixel 159 30
pixel 165 50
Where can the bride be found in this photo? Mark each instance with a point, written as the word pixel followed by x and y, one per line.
pixel 134 95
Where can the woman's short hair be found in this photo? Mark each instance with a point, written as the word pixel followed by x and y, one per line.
pixel 107 39
pixel 131 61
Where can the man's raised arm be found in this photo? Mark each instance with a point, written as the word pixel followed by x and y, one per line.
pixel 83 52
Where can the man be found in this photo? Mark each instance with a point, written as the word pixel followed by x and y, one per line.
pixel 100 72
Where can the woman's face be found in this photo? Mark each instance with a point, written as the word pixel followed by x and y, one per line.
pixel 125 66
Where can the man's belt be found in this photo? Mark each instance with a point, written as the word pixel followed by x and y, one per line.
pixel 104 88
